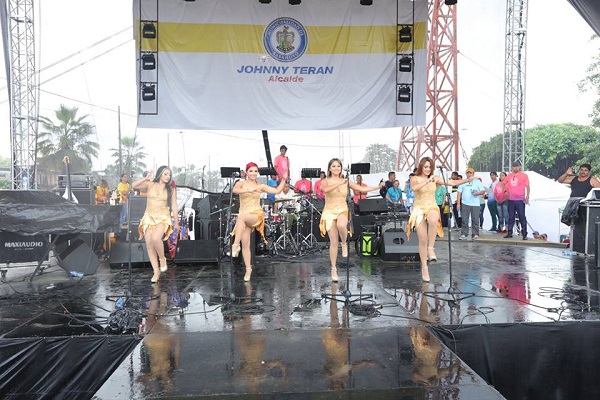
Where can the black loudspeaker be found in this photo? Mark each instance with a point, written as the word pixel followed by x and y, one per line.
pixel 119 254
pixel 209 229
pixel 208 207
pixel 78 257
pixel 396 246
pixel 137 207
pixel 370 206
pixel 83 196
pixel 192 251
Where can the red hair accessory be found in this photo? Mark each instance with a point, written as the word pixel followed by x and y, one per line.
pixel 250 165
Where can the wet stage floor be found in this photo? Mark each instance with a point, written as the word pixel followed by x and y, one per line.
pixel 283 336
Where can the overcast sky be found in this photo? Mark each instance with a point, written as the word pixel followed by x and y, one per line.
pixel 100 77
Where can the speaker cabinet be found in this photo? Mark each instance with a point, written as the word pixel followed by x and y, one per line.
pixel 396 246
pixel 137 207
pixel 78 257
pixel 208 207
pixel 119 254
pixel 192 251
pixel 370 206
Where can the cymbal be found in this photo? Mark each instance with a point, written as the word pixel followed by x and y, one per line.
pixel 281 200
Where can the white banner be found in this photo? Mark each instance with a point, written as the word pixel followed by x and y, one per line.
pixel 243 65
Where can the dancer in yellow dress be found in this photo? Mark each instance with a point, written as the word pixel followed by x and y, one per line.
pixel 156 226
pixel 425 209
pixel 334 218
pixel 251 215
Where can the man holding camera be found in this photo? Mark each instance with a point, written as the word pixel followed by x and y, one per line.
pixel 581 182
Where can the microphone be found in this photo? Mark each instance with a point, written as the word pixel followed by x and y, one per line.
pixel 440 167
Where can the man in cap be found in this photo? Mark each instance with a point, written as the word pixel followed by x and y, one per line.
pixel 282 163
pixel 468 203
pixel 517 185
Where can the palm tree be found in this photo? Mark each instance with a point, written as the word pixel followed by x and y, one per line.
pixel 132 157
pixel 68 136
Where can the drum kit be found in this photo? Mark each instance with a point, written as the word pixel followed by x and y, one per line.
pixel 289 225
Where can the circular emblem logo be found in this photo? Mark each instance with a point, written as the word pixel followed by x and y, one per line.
pixel 285 39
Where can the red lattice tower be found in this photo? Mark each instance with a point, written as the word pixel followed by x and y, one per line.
pixel 439 137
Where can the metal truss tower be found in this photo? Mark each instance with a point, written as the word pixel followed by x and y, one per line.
pixel 22 93
pixel 513 138
pixel 439 138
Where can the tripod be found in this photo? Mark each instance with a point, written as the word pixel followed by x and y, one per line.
pixel 346 296
pixel 286 241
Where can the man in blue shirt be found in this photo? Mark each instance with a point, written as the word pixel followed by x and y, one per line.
pixel 394 196
pixel 468 203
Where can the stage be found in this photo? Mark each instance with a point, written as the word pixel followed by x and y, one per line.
pixel 516 314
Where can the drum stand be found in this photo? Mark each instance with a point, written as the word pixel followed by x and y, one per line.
pixel 286 237
pixel 310 240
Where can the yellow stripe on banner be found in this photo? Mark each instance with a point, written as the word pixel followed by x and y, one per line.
pixel 227 38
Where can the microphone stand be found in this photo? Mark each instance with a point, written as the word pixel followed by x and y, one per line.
pixel 346 295
pixel 227 232
pixel 453 292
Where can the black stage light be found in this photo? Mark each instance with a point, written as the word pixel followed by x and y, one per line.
pixel 405 64
pixel 366 2
pixel 405 34
pixel 264 1
pixel 450 2
pixel 294 2
pixel 404 94
pixel 148 61
pixel 149 31
pixel 148 92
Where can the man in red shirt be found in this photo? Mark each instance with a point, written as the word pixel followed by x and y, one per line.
pixel 282 163
pixel 517 185
pixel 303 186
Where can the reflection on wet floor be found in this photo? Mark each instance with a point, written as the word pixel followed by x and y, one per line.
pixel 206 332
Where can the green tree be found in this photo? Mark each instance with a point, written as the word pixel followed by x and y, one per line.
pixel 70 135
pixel 131 158
pixel 592 82
pixel 549 149
pixel 382 158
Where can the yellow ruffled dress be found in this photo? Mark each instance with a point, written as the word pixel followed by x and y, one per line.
pixel 250 204
pixel 335 204
pixel 424 202
pixel 157 212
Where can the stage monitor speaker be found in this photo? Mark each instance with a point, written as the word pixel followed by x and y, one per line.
pixel 396 246
pixel 83 196
pixel 137 208
pixel 78 257
pixel 119 254
pixel 193 251
pixel 370 206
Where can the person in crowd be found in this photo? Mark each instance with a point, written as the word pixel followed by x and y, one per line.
pixel 102 192
pixel 454 197
pixel 469 205
pixel 394 196
pixel 251 215
pixel 124 189
pixel 410 194
pixel 501 201
pixel 425 214
pixel 317 192
pixel 272 181
pixel 481 204
pixel 334 218
pixel 303 186
pixel 282 163
pixel 581 182
pixel 156 224
pixel 242 175
pixel 440 200
pixel 491 201
pixel 358 195
pixel 517 187
pixel 388 184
